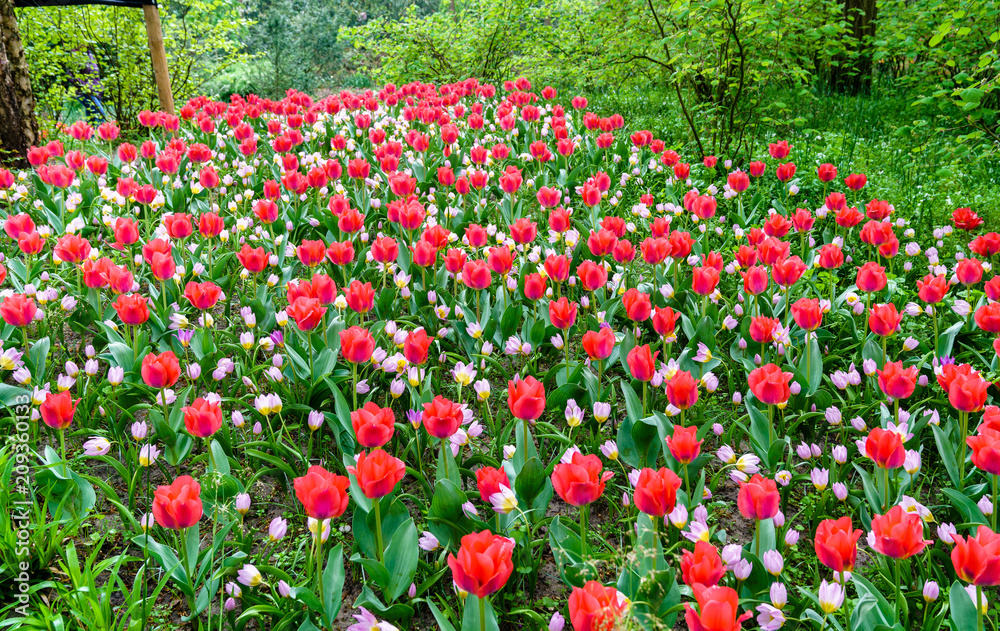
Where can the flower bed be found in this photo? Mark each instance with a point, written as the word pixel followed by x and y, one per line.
pixel 292 315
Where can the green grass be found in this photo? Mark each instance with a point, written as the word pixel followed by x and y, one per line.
pixel 924 172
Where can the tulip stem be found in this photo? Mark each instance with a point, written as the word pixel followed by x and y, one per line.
pixel 934 320
pixel 62 449
pixel 979 607
pixel 964 418
pixel 378 528
pixel 756 539
pixel 482 612
pixel 319 554
pixel 885 501
pixel 163 402
pixel 583 531
pixel 309 339
pixel 566 348
pixel 994 516
pixel 444 457
pixel 644 385
pixel 899 594
pixel 354 390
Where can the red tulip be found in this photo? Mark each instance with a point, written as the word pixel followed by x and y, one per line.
pixel 526 398
pixel 57 410
pixel 969 271
pixel 665 321
pixel 178 225
pixel 18 310
pixel 500 260
pixel 831 256
pixel 306 312
pixel 770 385
pixel 580 481
pixel 932 289
pixel 202 296
pixel 977 559
pixel 594 607
pixel 836 544
pixel 807 313
pixel 483 564
pixel 637 305
pixel 442 418
pixel 702 567
pixel 360 296
pixel 340 253
pixel 71 248
pixel 373 426
pixel 656 492
pixel 967 393
pixel 592 276
pixel 897 382
pixel 311 253
pixel 323 494
pixel 885 448
pixel 642 363
pixel 534 286
pixel 682 391
pixel 762 329
pixel 871 277
pixel 476 275
pixel 385 249
pixel 966 219
pixel 755 280
pixel 986 450
pixel 357 344
pixel 255 260
pixel 416 345
pixel 489 480
pixel 758 498
pixel 704 280
pixel 210 225
pixel 950 372
pixel 562 313
pixel 17 226
pixel 202 418
pixel 884 320
pixel 787 271
pixel 719 610
pixel 898 534
pixel 178 506
pixel 684 444
pixel 987 317
pixel 377 473
pixel 160 371
pixel 599 344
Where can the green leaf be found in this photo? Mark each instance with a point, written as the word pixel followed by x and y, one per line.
pixel 969 510
pixel 963 609
pixel 401 557
pixel 333 583
pixel 530 480
pixel 471 620
pixel 871 608
pixel 947 451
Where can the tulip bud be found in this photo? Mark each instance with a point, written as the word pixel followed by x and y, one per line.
pixel 931 591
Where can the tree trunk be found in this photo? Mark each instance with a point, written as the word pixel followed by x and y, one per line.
pixel 852 73
pixel 18 127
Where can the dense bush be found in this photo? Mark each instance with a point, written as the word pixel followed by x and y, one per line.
pixel 201 38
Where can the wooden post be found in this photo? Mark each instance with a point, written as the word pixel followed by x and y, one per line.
pixel 154 32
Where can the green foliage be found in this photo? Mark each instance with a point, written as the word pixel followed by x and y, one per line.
pixel 490 39
pixel 944 54
pixel 201 39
